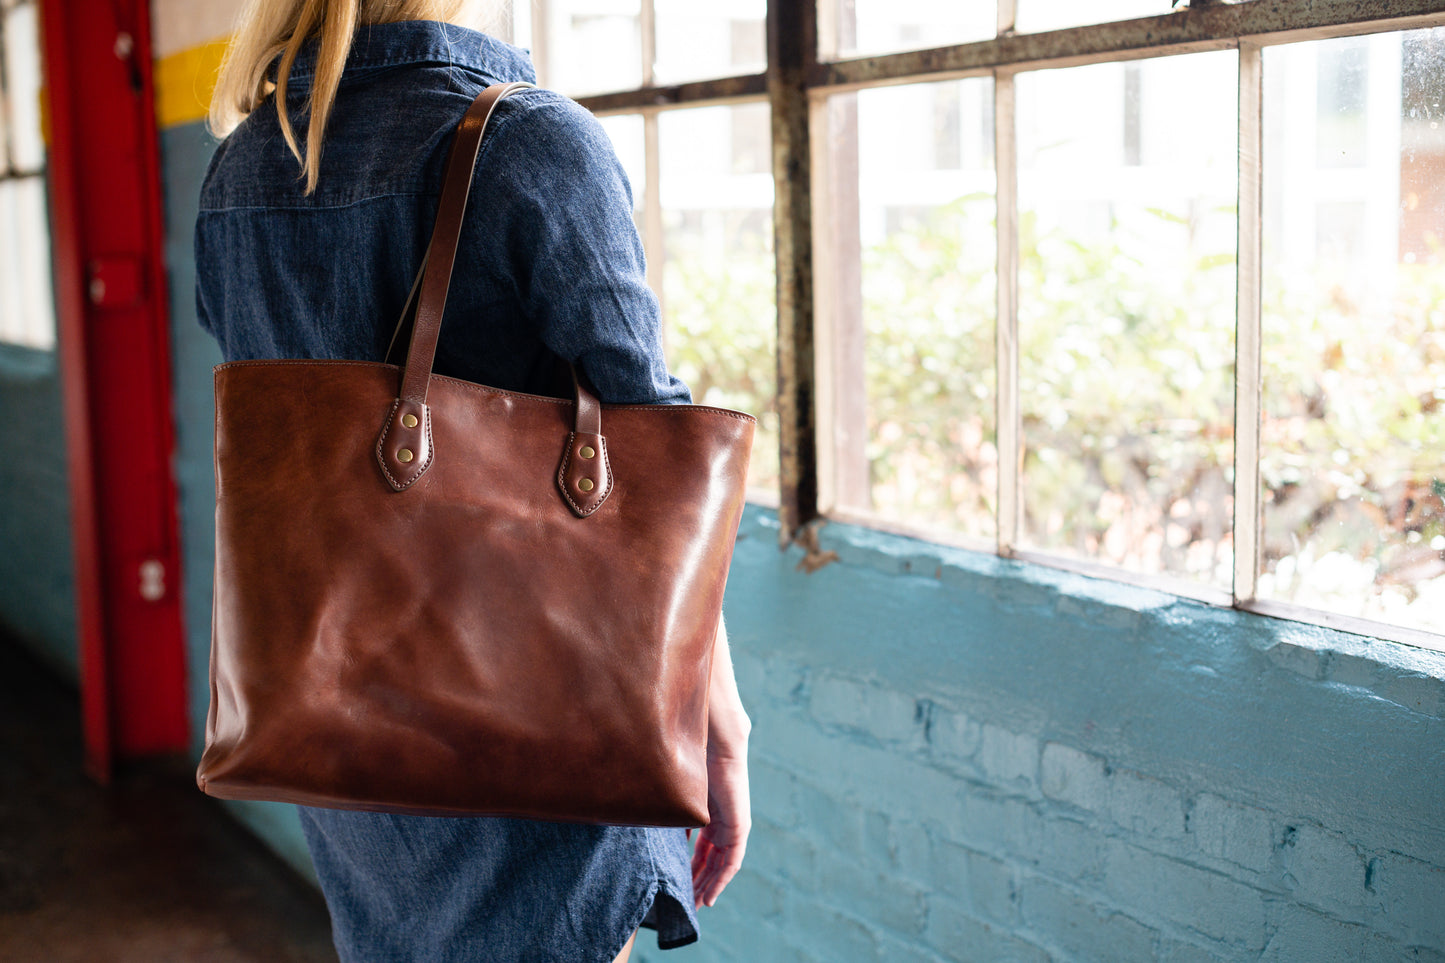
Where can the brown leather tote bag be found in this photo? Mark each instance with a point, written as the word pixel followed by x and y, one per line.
pixel 436 597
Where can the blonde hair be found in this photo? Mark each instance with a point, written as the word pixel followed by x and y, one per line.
pixel 271 28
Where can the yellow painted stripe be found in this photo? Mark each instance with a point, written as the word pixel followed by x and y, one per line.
pixel 185 81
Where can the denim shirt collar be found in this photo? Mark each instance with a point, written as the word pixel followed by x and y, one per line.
pixel 408 42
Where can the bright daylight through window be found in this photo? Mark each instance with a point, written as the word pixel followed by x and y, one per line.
pixel 1079 279
pixel 27 315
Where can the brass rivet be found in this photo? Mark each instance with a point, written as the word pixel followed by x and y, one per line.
pixel 585 484
pixel 404 455
pixel 586 451
pixel 409 420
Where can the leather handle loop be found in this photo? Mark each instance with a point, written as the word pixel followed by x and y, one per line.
pixel 589 409
pixel 442 252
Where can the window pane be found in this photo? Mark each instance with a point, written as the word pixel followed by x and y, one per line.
pixel 625 130
pixel 591 46
pixel 22 89
pixel 718 278
pixel 913 305
pixel 1036 16
pixel 1354 336
pixel 1127 199
pixel 697 40
pixel 861 27
pixel 26 311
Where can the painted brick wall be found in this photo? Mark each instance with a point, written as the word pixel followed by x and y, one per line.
pixel 37 583
pixel 960 758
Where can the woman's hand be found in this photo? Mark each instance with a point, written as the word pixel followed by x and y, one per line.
pixel 721 844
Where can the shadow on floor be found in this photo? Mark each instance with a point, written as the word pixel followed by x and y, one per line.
pixel 145 871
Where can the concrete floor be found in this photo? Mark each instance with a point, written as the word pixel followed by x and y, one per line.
pixel 145 871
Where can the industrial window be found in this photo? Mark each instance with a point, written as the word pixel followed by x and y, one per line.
pixel 1147 293
pixel 27 313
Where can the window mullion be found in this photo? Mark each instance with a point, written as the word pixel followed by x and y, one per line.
pixel 648 27
pixel 1007 14
pixel 1247 368
pixel 1009 430
pixel 792 49
pixel 541 14
pixel 652 241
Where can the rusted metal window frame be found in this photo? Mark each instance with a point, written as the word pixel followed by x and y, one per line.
pixel 797 84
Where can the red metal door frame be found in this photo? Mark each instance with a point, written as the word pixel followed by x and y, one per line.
pixel 114 354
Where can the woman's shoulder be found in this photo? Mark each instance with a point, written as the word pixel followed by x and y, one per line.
pixel 541 125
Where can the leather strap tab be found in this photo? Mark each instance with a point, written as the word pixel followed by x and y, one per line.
pixel 404 449
pixel 585 477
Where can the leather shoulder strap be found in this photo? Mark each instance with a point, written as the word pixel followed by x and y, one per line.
pixel 441 253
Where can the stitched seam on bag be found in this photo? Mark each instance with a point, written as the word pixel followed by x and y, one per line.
pixel 601 496
pixel 421 465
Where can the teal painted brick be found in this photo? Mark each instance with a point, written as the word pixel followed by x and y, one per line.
pixel 1243 835
pixel 1352 670
pixel 1145 806
pixel 897 951
pixel 1323 869
pixel 776 681
pixel 884 902
pixel 1009 759
pixel 986 886
pixel 881 899
pixel 871 777
pixel 1075 923
pixel 1074 777
pixel 1130 799
pixel 901 846
pixel 830 821
pixel 1175 951
pixel 885 714
pixel 998 825
pixel 1014 830
pixel 752 895
pixel 1417 692
pixel 953 734
pixel 781 855
pixel 956 935
pixel 832 935
pixel 774 792
pixel 37 583
pixel 1299 659
pixel 1411 899
pixel 1194 899
pixel 1299 935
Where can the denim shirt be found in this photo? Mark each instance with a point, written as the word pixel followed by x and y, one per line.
pixel 549 263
